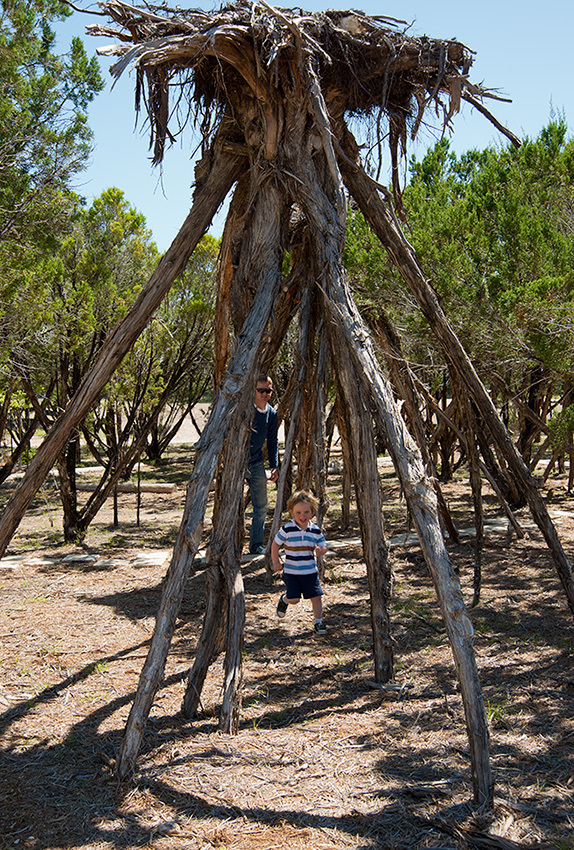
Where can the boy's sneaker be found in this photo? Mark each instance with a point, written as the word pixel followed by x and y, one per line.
pixel 281 607
pixel 320 629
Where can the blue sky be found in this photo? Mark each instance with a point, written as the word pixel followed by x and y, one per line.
pixel 523 49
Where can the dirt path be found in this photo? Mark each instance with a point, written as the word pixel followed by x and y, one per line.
pixel 322 759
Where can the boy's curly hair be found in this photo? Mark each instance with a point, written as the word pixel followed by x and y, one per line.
pixel 303 496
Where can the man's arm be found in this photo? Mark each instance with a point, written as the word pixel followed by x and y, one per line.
pixel 273 445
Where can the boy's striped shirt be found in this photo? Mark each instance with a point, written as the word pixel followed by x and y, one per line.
pixel 299 545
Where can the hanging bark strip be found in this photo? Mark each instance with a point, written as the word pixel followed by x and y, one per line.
pixel 384 224
pixel 224 168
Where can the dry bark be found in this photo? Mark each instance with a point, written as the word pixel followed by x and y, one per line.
pixel 363 463
pixel 242 372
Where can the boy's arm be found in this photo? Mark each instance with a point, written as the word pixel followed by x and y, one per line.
pixel 276 563
pixel 321 547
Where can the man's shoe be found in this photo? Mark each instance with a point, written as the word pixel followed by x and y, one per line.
pixel 320 629
pixel 281 607
pixel 259 550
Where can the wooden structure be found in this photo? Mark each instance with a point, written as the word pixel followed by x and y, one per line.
pixel 272 91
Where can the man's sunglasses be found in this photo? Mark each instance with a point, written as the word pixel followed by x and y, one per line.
pixel 267 392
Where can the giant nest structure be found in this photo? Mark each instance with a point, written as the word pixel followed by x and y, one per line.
pixel 273 94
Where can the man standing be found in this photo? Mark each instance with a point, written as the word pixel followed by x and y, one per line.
pixel 264 431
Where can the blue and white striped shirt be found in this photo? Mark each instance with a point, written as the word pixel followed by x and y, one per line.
pixel 299 545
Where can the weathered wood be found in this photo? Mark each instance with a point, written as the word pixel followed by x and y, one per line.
pixel 346 474
pixel 421 500
pixel 224 168
pixel 384 224
pixel 403 383
pixel 365 475
pixel 320 427
pixel 222 322
pixel 211 641
pixel 325 218
pixel 228 545
pixel 242 371
pixel 225 604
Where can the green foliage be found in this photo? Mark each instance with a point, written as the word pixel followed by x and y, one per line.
pixel 44 137
pixel 561 429
pixel 493 230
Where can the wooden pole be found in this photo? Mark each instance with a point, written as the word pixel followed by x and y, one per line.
pixel 365 475
pixel 242 371
pixel 421 500
pixel 322 205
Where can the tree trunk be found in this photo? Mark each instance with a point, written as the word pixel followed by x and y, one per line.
pixel 69 492
pixel 346 472
pixel 469 428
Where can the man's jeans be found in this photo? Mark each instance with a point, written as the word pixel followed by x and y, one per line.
pixel 257 480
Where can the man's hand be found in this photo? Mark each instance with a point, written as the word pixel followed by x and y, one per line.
pixel 274 475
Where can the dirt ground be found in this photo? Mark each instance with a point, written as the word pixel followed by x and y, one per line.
pixel 323 759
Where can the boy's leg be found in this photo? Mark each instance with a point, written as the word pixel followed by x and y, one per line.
pixel 290 596
pixel 317 603
pixel 319 626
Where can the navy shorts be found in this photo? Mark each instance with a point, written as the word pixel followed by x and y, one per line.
pixel 307 586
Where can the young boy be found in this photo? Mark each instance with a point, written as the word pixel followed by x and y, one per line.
pixel 302 541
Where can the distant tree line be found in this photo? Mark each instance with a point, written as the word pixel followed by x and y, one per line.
pixel 492 229
pixel 494 232
pixel 69 273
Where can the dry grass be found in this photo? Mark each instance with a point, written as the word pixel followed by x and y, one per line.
pixel 323 760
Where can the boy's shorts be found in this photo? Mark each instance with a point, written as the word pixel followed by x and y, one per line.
pixel 307 585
